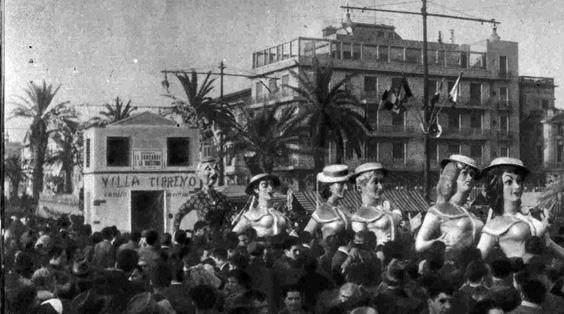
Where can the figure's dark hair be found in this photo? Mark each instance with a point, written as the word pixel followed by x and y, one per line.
pixel 493 185
pixel 324 191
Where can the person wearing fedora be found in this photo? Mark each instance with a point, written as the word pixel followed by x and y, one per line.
pixel 330 217
pixel 261 215
pixel 211 206
pixel 374 214
pixel 449 220
pixel 507 226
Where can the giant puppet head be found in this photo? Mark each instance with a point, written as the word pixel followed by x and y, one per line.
pixel 207 171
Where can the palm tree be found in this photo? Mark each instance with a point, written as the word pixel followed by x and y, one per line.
pixel 331 114
pixel 37 107
pixel 113 113
pixel 267 139
pixel 199 110
pixel 13 168
pixel 68 139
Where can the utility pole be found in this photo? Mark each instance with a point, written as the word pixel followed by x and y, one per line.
pixel 426 107
pixel 220 151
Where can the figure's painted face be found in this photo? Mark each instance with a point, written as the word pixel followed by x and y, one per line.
pixel 207 172
pixel 374 185
pixel 512 187
pixel 338 189
pixel 466 179
pixel 265 189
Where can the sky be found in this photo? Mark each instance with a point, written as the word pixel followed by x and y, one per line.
pixel 99 50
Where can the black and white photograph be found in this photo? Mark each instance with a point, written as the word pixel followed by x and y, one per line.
pixel 286 157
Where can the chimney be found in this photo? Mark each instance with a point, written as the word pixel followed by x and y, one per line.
pixel 494 36
pixel 440 40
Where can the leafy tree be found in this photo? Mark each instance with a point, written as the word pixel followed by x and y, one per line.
pixel 114 112
pixel 68 139
pixel 37 106
pixel 268 138
pixel 330 113
pixel 14 170
pixel 199 110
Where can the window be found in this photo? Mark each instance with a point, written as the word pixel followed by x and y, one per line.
pixel 117 152
pixel 545 104
pixel 476 120
pixel 207 150
pixel 504 151
pixel 398 151
pixel 503 65
pixel 450 85
pixel 475 94
pixel 370 86
pixel 370 52
pixel 539 152
pixel 560 152
pixel 396 54
pixel 560 129
pixel 431 56
pixel 383 53
pixel 285 82
pixel 87 153
pixel 398 119
pixel 463 60
pixel 372 150
pixel 453 59
pixel 503 96
pixel 453 120
pixel 453 149
pixel 178 151
pixel 413 55
pixel 258 91
pixel 476 151
pixel 356 51
pixel 503 123
pixel 272 86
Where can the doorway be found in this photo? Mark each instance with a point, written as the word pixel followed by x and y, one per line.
pixel 147 210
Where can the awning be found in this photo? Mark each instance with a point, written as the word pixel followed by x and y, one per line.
pixel 408 201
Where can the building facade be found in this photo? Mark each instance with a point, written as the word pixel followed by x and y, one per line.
pixel 541 128
pixel 137 173
pixel 484 123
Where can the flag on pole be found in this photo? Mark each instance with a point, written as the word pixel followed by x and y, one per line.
pixel 455 91
pixel 404 93
pixel 437 96
pixel 387 101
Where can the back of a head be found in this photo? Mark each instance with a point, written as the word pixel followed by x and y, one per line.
pixel 508 298
pixel 484 306
pixel 242 277
pixel 127 260
pixel 107 233
pixel 439 286
pixel 167 239
pixel 161 275
pixel 533 291
pixel 135 236
pixel 501 268
pixel 180 236
pixel 203 296
pixel 476 271
pixel 151 236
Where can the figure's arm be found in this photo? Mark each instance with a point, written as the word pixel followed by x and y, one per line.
pixel 486 244
pixel 430 224
pixel 312 226
pixel 241 225
pixel 556 249
pixel 182 211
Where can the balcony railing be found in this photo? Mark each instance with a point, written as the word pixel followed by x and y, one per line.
pixel 505 74
pixel 342 50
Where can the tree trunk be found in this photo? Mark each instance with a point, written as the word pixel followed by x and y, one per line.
pixel 318 159
pixel 221 164
pixel 340 151
pixel 68 177
pixel 39 160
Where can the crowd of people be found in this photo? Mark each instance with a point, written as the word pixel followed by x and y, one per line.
pixel 362 260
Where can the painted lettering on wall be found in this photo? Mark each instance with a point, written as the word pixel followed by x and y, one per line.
pixel 120 181
pixel 158 181
pixel 112 194
pixel 177 194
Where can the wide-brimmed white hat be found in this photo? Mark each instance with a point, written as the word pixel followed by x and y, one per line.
pixel 260 177
pixel 333 174
pixel 369 166
pixel 462 159
pixel 506 161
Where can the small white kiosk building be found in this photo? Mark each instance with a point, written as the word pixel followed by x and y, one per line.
pixel 137 173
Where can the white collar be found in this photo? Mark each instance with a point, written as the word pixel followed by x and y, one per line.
pixel 342 249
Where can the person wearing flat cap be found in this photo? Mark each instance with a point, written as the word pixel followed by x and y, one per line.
pixel 261 215
pixel 211 206
pixel 449 220
pixel 374 214
pixel 330 217
pixel 507 226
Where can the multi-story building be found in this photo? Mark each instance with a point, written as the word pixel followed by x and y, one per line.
pixel 484 123
pixel 541 128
